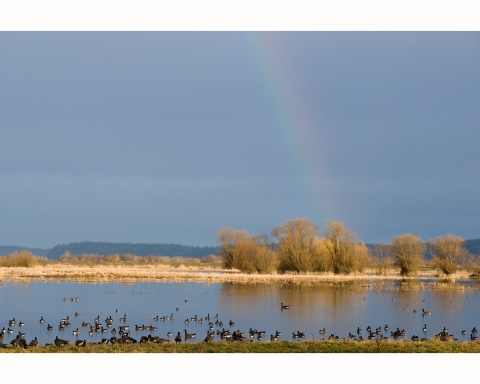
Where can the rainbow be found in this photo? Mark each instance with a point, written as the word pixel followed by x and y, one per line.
pixel 291 109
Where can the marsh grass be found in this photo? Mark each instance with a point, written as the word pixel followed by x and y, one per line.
pixel 23 259
pixel 318 346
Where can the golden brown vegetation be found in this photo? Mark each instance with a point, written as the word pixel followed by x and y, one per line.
pixel 408 251
pixel 19 259
pixel 447 252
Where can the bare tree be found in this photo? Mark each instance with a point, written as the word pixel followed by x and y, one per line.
pixel 340 242
pixel 447 252
pixel 408 251
pixel 295 245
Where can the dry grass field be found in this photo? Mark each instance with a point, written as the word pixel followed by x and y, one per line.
pixel 213 273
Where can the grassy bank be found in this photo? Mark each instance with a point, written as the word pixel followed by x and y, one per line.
pixel 319 346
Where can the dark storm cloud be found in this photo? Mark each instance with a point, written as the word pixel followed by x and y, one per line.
pixel 167 137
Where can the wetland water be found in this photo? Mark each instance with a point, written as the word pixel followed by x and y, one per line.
pixel 339 308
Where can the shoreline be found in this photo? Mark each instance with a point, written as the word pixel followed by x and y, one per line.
pixel 318 346
pixel 208 274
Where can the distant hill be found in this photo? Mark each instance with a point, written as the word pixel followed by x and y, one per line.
pixel 139 249
pixel 6 250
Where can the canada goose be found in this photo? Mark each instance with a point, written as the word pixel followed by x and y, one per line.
pixel 178 338
pixel 369 329
pixel 64 299
pixel 117 310
pixel 76 299
pixel 208 317
pixel 169 334
pixel 20 324
pixel 66 320
pixel 284 306
pixel 60 342
pixel 11 322
pixel 3 331
pixel 322 331
pixel 414 338
pixel 97 319
pixel 189 335
pixel 473 338
pixel 81 343
pixel 177 309
pixel 273 338
pixel 294 335
pixel 123 327
pixel 200 321
pixel 72 299
pixel 170 317
pixel 474 330
pixel 78 314
pixel 138 327
pixel 426 312
pixel 34 342
pixel 259 338
pixel 9 331
pixel 300 334
pixel 20 335
pixel 124 318
pixel 359 330
pixel 209 338
pixel 113 331
pixel 464 332
pixel 49 327
pixel 194 318
pixel 231 323
pixel 61 327
pixel 186 321
pixel 386 327
pixel 155 318
pixel 424 329
pixel 19 343
pixel 216 317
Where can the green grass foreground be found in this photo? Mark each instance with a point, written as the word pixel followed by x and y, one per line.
pixel 319 346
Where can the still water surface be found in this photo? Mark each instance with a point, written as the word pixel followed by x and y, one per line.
pixel 339 309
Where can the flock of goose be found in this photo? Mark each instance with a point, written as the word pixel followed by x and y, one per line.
pixel 215 328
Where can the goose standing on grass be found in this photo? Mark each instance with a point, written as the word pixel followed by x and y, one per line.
pixel 34 342
pixel 209 338
pixel 284 306
pixel 81 343
pixel 178 338
pixel 60 342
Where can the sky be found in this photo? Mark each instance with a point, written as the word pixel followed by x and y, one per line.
pixel 167 137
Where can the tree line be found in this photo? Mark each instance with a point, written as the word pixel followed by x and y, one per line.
pixel 300 248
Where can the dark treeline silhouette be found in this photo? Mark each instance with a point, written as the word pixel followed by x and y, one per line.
pixel 139 249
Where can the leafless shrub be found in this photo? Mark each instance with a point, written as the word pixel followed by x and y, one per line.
pixel 19 259
pixel 408 251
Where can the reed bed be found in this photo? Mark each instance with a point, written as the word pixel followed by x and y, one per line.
pixel 104 273
pixel 318 346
